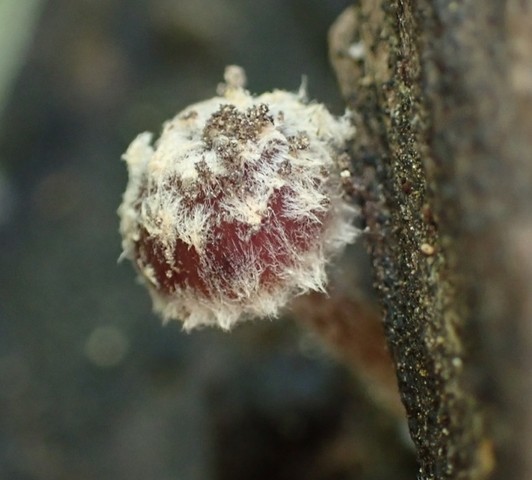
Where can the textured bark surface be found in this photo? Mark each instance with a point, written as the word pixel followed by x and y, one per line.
pixel 443 98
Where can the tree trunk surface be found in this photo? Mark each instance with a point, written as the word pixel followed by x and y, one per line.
pixel 442 98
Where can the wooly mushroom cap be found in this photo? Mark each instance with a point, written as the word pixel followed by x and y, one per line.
pixel 237 207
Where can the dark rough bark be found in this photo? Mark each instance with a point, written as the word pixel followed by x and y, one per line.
pixel 442 92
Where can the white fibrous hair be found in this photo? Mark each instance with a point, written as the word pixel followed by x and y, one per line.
pixel 237 207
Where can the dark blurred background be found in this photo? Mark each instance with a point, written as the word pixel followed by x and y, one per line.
pixel 92 386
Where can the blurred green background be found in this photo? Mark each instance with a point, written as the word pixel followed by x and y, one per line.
pixel 91 385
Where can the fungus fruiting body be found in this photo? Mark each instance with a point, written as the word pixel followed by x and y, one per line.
pixel 237 207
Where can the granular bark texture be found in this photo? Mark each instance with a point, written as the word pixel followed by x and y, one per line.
pixel 442 95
